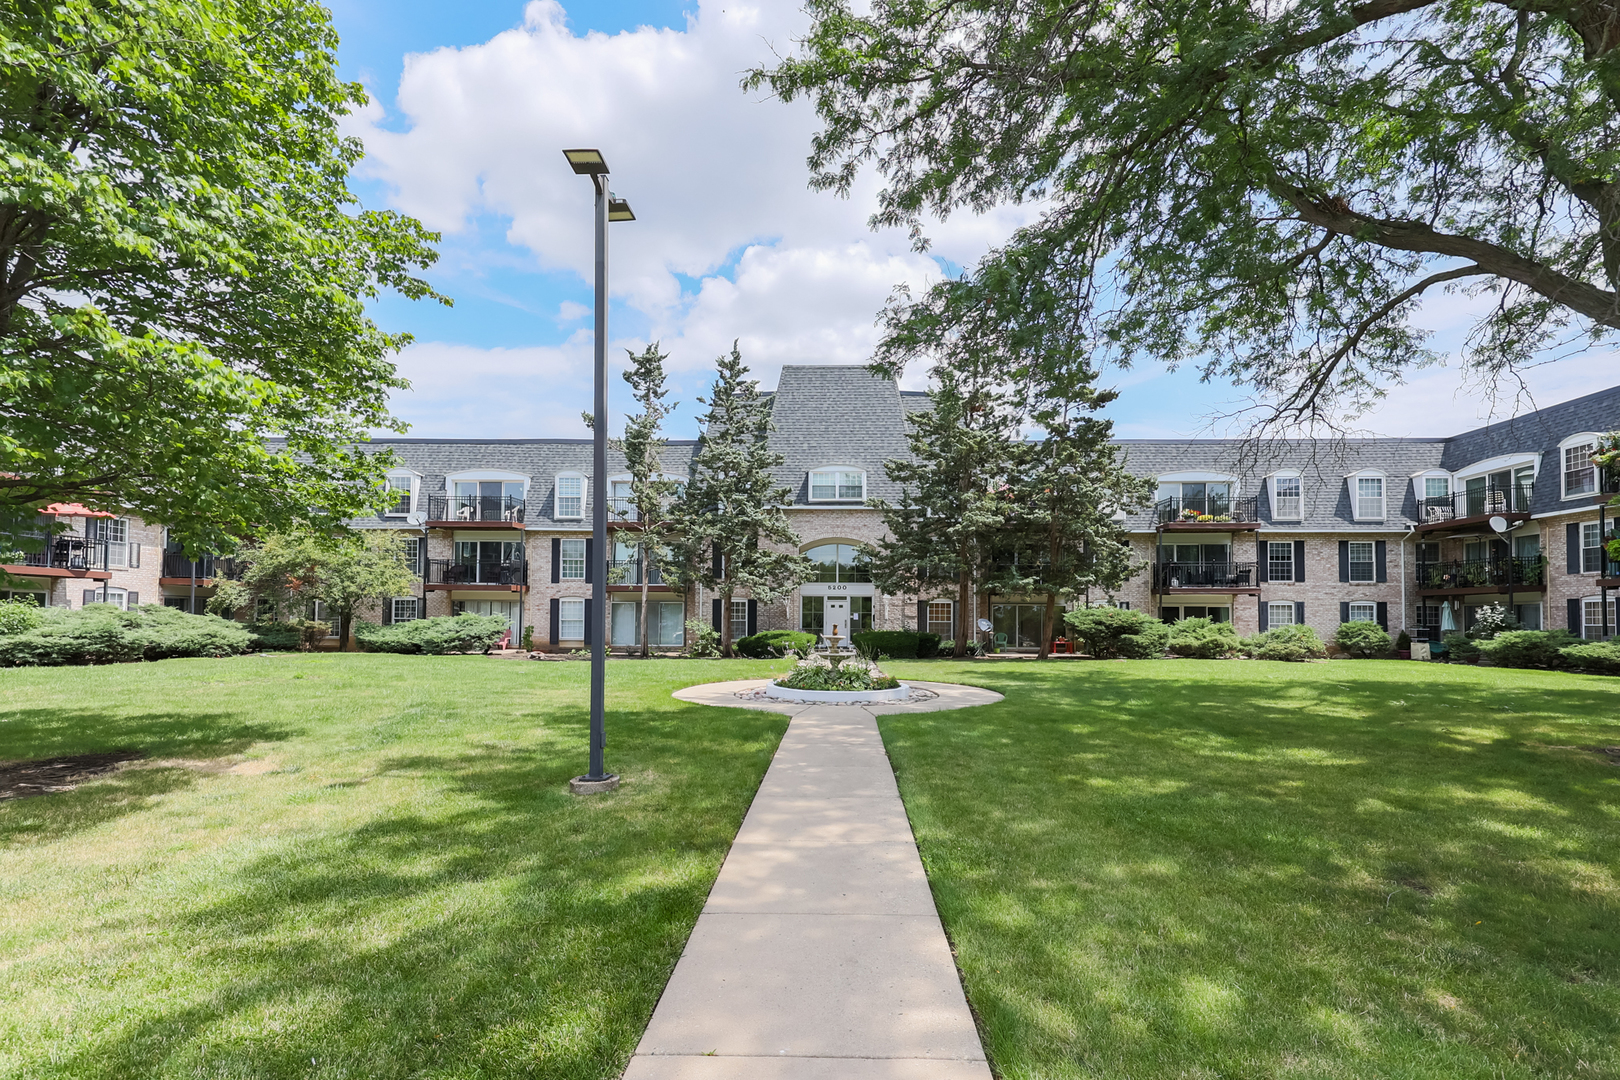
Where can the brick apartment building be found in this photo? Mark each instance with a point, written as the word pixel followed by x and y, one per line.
pixel 1387 530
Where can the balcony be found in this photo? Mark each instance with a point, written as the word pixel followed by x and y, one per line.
pixel 1474 507
pixel 1205 577
pixel 177 567
pixel 1209 513
pixel 499 576
pixel 503 511
pixel 628 572
pixel 1481 575
pixel 621 509
pixel 66 555
pixel 1609 577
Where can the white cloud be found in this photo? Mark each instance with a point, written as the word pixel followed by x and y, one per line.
pixel 460 391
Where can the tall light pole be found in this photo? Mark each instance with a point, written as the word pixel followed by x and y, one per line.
pixel 608 208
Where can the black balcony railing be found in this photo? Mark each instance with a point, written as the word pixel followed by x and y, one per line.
pixel 452 572
pixel 628 572
pixel 1477 503
pixel 176 565
pixel 1204 575
pixel 622 509
pixel 1481 573
pixel 505 508
pixel 59 552
pixel 1206 509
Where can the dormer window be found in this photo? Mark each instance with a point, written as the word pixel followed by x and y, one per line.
pixel 1579 474
pixel 570 501
pixel 1368 493
pixel 400 487
pixel 1287 498
pixel 837 485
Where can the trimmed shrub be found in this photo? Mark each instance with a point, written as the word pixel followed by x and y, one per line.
pixel 1595 657
pixel 104 634
pixel 20 616
pixel 433 637
pixel 929 645
pixel 1291 643
pixel 1110 633
pixel 1403 643
pixel 1202 638
pixel 1528 648
pixel 769 643
pixel 1460 646
pixel 280 636
pixel 702 639
pixel 895 644
pixel 1364 640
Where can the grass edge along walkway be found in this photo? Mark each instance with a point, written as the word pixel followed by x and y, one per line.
pixel 357 865
pixel 1225 869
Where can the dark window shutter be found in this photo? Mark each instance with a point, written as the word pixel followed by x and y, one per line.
pixel 1299 612
pixel 753 616
pixel 1263 561
pixel 1344 611
pixel 716 616
pixel 556 566
pixel 556 619
pixel 1344 560
pixel 1380 560
pixel 1572 545
pixel 717 564
pixel 1263 617
pixel 90 597
pixel 131 599
pixel 1575 616
pixel 387 612
pixel 590 565
pixel 590 621
pixel 1299 560
pixel 922 616
pixel 1383 615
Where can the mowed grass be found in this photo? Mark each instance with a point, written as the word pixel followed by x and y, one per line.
pixel 1242 869
pixel 394 881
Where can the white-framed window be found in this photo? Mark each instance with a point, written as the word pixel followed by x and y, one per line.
pixel 1123 605
pixel 1287 498
pixel 1592 618
pixel 571 620
pixel 1580 476
pixel 115 531
pixel 739 619
pixel 116 597
pixel 405 608
pixel 1591 548
pixel 942 618
pixel 1279 614
pixel 1363 612
pixel 837 485
pixel 1437 487
pixel 1369 495
pixel 400 487
pixel 1361 561
pixel 621 500
pixel 1280 560
pixel 570 500
pixel 571 561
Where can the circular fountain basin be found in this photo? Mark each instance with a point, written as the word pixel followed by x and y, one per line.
pixel 784 693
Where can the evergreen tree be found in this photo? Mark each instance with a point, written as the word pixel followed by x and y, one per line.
pixel 650 518
pixel 954 508
pixel 732 509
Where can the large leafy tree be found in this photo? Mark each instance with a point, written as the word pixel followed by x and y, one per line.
pixel 183 269
pixel 1266 190
pixel 731 512
pixel 650 523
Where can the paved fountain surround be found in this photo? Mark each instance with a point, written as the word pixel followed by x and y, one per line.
pixel 819 954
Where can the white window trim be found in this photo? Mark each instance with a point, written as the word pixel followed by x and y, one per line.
pixel 1370 606
pixel 1420 484
pixel 1592 437
pixel 414 481
pixel 556 496
pixel 810 483
pixel 562 560
pixel 1353 481
pixel 563 607
pixel 1272 606
pixel 1272 495
pixel 393 608
pixel 1351 562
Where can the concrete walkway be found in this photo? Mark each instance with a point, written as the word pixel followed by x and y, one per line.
pixel 819 954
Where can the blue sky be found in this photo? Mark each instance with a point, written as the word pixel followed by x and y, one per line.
pixel 729 244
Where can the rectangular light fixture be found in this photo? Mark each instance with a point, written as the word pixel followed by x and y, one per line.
pixel 619 209
pixel 587 162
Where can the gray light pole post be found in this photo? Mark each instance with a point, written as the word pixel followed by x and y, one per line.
pixel 607 208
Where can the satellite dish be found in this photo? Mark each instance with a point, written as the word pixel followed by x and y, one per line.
pixel 985 624
pixel 1499 523
pixel 416 517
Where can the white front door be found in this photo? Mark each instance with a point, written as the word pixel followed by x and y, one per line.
pixel 835 617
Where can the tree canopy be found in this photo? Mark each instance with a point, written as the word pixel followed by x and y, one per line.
pixel 1263 190
pixel 183 268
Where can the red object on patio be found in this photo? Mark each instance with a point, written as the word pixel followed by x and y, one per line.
pixel 75 510
pixel 1063 645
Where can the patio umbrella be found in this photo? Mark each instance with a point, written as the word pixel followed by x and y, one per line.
pixel 1447 623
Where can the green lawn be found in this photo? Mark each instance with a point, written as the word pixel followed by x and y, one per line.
pixel 395 883
pixel 1207 869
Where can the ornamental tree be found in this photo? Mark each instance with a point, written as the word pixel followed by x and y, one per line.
pixel 1264 190
pixel 650 522
pixel 731 512
pixel 183 269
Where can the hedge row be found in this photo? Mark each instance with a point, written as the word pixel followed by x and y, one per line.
pixel 771 643
pixel 897 644
pixel 105 634
pixel 433 637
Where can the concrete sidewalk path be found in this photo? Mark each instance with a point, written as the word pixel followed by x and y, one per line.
pixel 819 954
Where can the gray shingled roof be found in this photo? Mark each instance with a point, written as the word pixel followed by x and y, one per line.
pixel 837 415
pixel 1540 431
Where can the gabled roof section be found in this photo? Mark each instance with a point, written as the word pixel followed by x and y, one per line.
pixel 837 415
pixel 1538 432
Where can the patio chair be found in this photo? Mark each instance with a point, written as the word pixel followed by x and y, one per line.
pixel 1001 642
pixel 469 512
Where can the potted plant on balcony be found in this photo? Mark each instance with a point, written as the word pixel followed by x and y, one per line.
pixel 1189 515
pixel 1403 645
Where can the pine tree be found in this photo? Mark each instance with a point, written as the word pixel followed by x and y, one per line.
pixel 732 509
pixel 954 509
pixel 649 521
